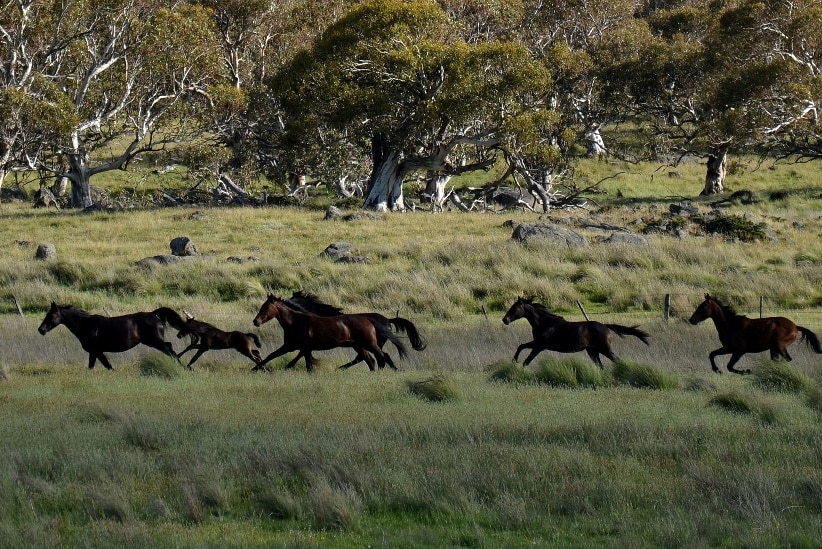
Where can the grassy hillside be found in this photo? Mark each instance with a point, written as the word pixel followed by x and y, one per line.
pixel 459 448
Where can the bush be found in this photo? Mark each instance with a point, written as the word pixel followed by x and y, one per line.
pixel 736 226
pixel 779 376
pixel 573 372
pixel 642 376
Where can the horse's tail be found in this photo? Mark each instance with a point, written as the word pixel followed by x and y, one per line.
pixel 255 339
pixel 385 331
pixel 405 325
pixel 170 316
pixel 622 331
pixel 811 338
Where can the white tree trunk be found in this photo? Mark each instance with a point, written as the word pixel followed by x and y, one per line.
pixel 717 170
pixel 435 188
pixel 385 192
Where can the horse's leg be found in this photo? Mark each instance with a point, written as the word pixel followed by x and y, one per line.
pixel 92 358
pixel 534 352
pixel 294 361
pixel 103 360
pixel 522 347
pixel 714 354
pixel 309 362
pixel 357 359
pixel 200 352
pixel 187 349
pixel 595 357
pixel 370 360
pixel 279 352
pixel 734 359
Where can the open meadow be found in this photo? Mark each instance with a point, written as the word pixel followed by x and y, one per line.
pixel 460 447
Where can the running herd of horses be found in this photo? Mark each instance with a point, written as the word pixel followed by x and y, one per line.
pixel 310 325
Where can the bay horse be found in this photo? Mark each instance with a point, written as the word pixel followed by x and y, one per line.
pixel 101 334
pixel 306 332
pixel 206 337
pixel 552 332
pixel 740 335
pixel 310 303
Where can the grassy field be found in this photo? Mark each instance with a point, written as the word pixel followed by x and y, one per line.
pixel 461 448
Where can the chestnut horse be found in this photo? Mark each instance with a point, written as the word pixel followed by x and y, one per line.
pixel 306 332
pixel 310 303
pixel 206 337
pixel 102 334
pixel 740 335
pixel 551 332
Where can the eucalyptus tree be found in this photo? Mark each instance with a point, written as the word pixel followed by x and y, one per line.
pixel 399 82
pixel 128 75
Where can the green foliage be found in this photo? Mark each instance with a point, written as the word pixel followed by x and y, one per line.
pixel 737 227
pixel 642 376
pixel 779 375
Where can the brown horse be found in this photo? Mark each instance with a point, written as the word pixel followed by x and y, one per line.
pixel 206 337
pixel 306 332
pixel 309 303
pixel 553 333
pixel 740 335
pixel 102 334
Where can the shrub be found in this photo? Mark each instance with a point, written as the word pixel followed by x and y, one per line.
pixel 642 376
pixel 436 389
pixel 572 372
pixel 778 375
pixel 509 372
pixel 736 226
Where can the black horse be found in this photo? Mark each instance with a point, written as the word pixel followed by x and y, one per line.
pixel 101 334
pixel 553 333
pixel 307 302
pixel 206 337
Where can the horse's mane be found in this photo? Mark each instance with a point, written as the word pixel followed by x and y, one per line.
pixel 727 309
pixel 310 303
pixel 543 311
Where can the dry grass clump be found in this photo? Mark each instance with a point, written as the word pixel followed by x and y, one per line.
pixel 813 398
pixel 438 388
pixel 334 508
pixel 642 376
pixel 108 507
pixel 570 372
pixel 279 504
pixel 778 375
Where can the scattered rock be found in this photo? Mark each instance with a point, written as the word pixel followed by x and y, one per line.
pixel 46 252
pixel 344 252
pixel 684 208
pixel 183 246
pixel 240 260
pixel 364 215
pixel 531 233
pixel 333 213
pixel 630 239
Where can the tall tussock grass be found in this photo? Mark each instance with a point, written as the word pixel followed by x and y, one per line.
pixel 779 375
pixel 508 371
pixel 571 372
pixel 746 404
pixel 437 388
pixel 642 376
pixel 159 365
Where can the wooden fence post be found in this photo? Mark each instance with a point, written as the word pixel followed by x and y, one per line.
pixel 579 304
pixel 761 305
pixel 667 313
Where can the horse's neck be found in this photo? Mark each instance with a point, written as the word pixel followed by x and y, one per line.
pixel 722 320
pixel 286 316
pixel 75 321
pixel 537 318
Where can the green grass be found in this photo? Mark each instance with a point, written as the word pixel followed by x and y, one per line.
pixel 148 455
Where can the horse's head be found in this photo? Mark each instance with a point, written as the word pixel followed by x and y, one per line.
pixel 53 319
pixel 516 311
pixel 268 310
pixel 705 310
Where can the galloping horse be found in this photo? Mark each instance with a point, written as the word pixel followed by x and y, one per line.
pixel 310 303
pixel 551 332
pixel 206 337
pixel 102 334
pixel 306 332
pixel 740 335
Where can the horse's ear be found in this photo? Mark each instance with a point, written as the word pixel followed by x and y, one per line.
pixel 707 296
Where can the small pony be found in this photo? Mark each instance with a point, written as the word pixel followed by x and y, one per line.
pixel 206 337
